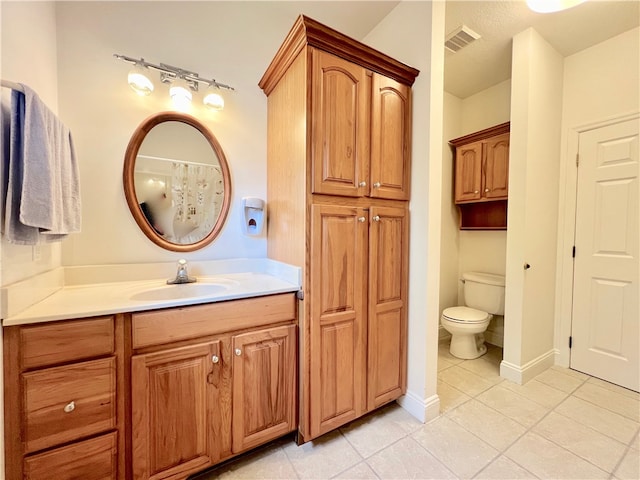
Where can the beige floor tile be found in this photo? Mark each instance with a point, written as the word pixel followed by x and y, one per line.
pixel 636 443
pixel 569 371
pixel 602 451
pixel 443 364
pixel 565 381
pixel 406 459
pixel 465 381
pixel 461 451
pixel 443 353
pixel 494 353
pixel 546 460
pixel 538 392
pixel 514 406
pixel 483 367
pixel 377 431
pixel 604 421
pixel 324 457
pixel 487 424
pixel 450 397
pixel 361 471
pixel 504 469
pixel 606 398
pixel 270 462
pixel 614 388
pixel 629 468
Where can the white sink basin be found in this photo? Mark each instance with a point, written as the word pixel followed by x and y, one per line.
pixel 178 292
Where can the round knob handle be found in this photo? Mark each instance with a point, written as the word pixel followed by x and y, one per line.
pixel 476 191
pixel 69 407
pixel 376 185
pixel 362 184
pixel 238 352
pixel 376 218
pixel 215 359
pixel 361 219
pixel 527 266
pixel 487 190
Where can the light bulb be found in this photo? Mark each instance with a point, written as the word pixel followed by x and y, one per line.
pixel 549 6
pixel 139 81
pixel 180 94
pixel 213 99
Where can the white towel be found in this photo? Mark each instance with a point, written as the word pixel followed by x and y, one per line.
pixel 43 190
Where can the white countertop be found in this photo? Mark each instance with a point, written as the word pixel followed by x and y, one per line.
pixel 105 298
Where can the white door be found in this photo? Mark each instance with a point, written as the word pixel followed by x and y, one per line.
pixel 605 324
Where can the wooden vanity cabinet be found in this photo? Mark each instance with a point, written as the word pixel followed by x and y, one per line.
pixel 220 381
pixel 65 400
pixel 481 182
pixel 338 178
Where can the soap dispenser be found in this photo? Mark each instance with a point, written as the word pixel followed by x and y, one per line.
pixel 254 215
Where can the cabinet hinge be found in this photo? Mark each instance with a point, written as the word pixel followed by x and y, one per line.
pixel 573 252
pixel 570 342
pixel 577 159
pixel 300 295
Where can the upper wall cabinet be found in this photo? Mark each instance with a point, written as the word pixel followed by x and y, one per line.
pixel 481 182
pixel 482 165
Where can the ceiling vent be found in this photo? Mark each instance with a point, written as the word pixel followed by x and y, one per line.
pixel 460 38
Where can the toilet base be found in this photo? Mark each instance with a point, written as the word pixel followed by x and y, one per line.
pixel 467 347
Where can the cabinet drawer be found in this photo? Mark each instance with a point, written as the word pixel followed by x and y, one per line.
pixel 173 325
pixel 63 404
pixel 54 343
pixel 94 459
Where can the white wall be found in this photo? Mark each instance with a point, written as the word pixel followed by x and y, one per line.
pixel 450 238
pixel 29 56
pixel 600 83
pixel 537 73
pixel 412 33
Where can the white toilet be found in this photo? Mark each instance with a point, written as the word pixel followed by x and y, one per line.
pixel 483 297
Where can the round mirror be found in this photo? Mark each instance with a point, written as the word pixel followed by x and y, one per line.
pixel 176 181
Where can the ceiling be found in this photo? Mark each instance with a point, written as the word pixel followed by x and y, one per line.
pixel 487 61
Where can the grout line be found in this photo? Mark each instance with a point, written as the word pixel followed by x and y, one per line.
pixel 434 456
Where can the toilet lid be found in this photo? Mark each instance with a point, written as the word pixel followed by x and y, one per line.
pixel 465 314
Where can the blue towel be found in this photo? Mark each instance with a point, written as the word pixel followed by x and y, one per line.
pixel 42 196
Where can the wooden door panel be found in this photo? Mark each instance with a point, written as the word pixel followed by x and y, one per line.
pixel 264 384
pixel 170 410
pixel 390 139
pixel 497 167
pixel 387 319
pixel 337 363
pixel 340 126
pixel 468 181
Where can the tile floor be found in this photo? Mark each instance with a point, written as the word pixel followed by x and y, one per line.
pixel 561 425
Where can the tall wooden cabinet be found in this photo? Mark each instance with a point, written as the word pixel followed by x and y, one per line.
pixel 339 146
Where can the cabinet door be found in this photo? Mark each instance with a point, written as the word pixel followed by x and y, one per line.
pixel 340 126
pixel 468 172
pixel 337 323
pixel 264 386
pixel 496 168
pixel 171 410
pixel 387 339
pixel 390 139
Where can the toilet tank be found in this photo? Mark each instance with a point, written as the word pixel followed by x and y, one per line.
pixel 484 291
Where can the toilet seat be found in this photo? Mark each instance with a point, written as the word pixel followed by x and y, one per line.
pixel 465 315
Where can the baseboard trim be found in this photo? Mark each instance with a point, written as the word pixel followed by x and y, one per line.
pixel 522 374
pixel 424 410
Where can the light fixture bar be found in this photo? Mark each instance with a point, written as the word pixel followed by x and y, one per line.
pixel 170 73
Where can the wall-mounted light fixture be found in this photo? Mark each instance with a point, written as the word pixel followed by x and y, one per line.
pixel 183 83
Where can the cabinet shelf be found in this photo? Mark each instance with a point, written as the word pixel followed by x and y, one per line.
pixel 483 215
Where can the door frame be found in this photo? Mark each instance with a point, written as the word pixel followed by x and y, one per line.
pixel 566 233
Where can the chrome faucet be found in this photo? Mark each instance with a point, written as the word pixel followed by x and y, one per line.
pixel 181 275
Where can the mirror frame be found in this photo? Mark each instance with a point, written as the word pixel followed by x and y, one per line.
pixel 128 179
